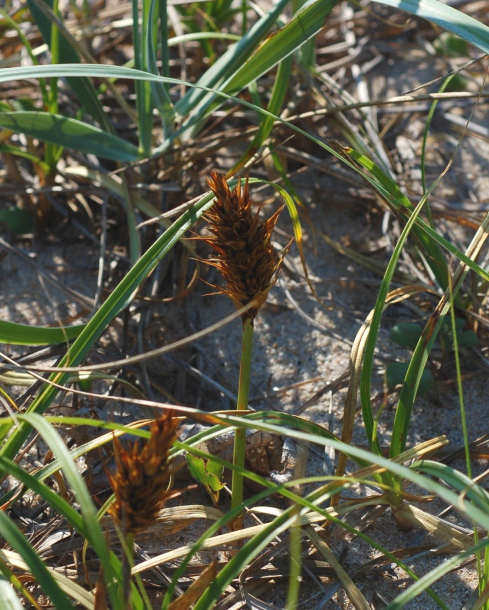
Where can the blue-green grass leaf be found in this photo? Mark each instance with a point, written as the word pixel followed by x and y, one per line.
pixel 448 18
pixel 69 133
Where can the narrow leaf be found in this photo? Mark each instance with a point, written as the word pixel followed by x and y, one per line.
pixel 69 133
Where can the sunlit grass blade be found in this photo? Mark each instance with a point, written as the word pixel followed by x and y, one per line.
pixel 161 97
pixel 7 592
pixel 374 326
pixel 340 152
pixel 457 480
pixel 434 575
pixel 393 196
pixel 448 18
pixel 59 504
pixel 304 25
pixel 275 49
pixel 144 99
pixel 74 590
pixel 69 133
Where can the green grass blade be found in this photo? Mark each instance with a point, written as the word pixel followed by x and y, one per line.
pixel 69 133
pixel 433 575
pixel 277 98
pixel 161 97
pixel 304 25
pixel 230 62
pixel 395 197
pixel 144 102
pixel 457 480
pixel 448 18
pixel 367 411
pixel 42 575
pixel 21 334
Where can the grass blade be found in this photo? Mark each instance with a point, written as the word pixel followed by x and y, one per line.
pixel 21 334
pixel 448 18
pixel 230 62
pixel 69 133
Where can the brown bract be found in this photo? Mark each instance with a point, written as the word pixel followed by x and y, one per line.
pixel 142 479
pixel 245 255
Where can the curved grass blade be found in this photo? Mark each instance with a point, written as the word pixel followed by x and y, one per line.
pixel 59 504
pixel 74 590
pixel 457 480
pixel 69 133
pixel 366 375
pixel 448 18
pixel 95 70
pixel 40 572
pixel 277 98
pixel 161 97
pixel 303 26
pixel 277 47
pixel 22 334
pixel 395 197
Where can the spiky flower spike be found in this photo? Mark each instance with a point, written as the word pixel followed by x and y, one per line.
pixel 245 256
pixel 141 483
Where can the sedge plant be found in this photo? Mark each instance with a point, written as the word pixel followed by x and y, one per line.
pixel 245 257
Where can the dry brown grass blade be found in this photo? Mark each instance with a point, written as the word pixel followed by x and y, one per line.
pixel 353 592
pixel 216 541
pixel 436 526
pixel 177 518
pixel 196 589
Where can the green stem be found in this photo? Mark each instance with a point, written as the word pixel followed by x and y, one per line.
pixel 242 404
pixel 51 149
pixel 127 565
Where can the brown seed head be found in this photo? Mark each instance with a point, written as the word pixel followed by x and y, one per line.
pixel 141 483
pixel 245 256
